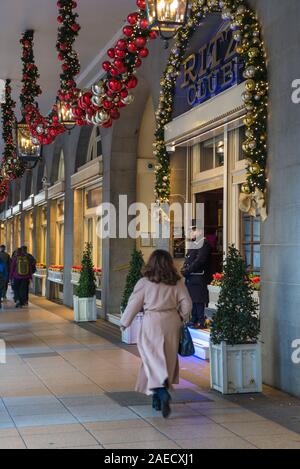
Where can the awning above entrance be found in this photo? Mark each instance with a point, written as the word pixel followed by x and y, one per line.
pixel 217 111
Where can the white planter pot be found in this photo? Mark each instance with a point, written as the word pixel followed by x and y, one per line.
pixel 214 293
pixel 130 335
pixel 237 369
pixel 85 309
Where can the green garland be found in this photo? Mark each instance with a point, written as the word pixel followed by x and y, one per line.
pixel 31 89
pixel 251 48
pixel 11 166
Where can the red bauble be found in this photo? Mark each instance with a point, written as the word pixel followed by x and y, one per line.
pixel 115 85
pixel 107 104
pixel 120 104
pixel 143 53
pixel 111 53
pixel 133 18
pixel 128 31
pixel 120 53
pixel 87 98
pixel 124 94
pixel 60 57
pixel 75 27
pixel 141 4
pixel 144 24
pixel 107 124
pixel 141 42
pixel 114 72
pixel 59 19
pixel 106 66
pixel 65 67
pixel 132 82
pixel 119 64
pixel 122 44
pixel 114 113
pixel 153 34
pixel 132 47
pixel 138 63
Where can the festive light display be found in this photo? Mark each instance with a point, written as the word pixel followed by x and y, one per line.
pixel 250 46
pixel 167 16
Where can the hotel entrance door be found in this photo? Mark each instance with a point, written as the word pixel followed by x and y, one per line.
pixel 213 224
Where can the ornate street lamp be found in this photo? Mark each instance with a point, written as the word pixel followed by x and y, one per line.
pixel 167 16
pixel 65 115
pixel 29 149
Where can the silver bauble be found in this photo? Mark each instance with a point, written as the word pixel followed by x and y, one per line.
pixel 96 100
pixel 128 100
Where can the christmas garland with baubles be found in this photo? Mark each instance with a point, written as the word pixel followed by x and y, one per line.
pixel 250 46
pixel 102 103
pixel 11 166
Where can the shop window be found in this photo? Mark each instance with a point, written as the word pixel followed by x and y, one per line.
pixel 212 153
pixel 95 147
pixel 94 198
pixel 251 242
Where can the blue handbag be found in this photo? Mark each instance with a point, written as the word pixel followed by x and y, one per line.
pixel 186 346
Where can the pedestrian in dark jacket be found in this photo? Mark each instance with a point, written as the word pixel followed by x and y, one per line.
pixel 196 272
pixel 3 280
pixel 33 267
pixel 5 258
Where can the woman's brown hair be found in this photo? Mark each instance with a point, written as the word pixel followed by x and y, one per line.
pixel 161 269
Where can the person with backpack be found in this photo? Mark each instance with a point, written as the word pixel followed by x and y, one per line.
pixel 3 280
pixel 20 275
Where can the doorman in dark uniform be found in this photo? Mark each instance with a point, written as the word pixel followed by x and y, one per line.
pixel 196 272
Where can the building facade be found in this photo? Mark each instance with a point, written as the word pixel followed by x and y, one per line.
pixel 54 209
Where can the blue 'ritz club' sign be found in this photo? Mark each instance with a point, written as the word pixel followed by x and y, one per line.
pixel 208 71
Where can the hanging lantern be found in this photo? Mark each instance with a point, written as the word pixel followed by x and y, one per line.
pixel 29 149
pixel 167 16
pixel 65 115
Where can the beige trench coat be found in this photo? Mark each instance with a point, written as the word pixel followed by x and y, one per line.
pixel 164 309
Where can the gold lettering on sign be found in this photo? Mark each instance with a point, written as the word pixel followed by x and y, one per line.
pixel 189 72
pixel 231 51
pixel 228 73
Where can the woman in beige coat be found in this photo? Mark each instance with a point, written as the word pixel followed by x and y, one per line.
pixel 166 303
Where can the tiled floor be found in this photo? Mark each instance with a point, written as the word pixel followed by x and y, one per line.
pixel 61 385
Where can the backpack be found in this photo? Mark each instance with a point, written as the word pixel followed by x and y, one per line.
pixel 23 266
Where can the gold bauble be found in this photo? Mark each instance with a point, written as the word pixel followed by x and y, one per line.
pixel 249 120
pixel 253 52
pixel 254 168
pixel 246 189
pixel 250 85
pixel 240 50
pixel 263 137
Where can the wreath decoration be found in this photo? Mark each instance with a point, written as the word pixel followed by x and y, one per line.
pixel 250 46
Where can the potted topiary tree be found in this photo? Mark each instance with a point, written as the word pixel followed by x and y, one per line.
pixel 85 309
pixel 134 275
pixel 235 352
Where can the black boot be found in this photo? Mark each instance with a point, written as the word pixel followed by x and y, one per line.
pixel 156 404
pixel 165 400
